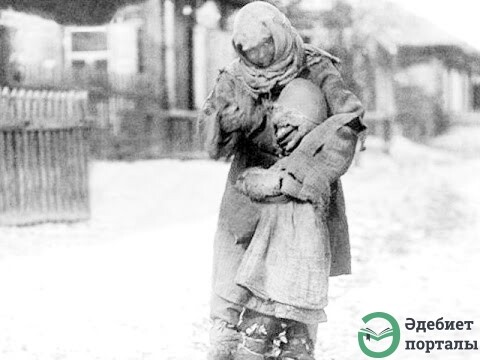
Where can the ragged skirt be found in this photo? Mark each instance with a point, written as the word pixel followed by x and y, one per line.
pixel 286 266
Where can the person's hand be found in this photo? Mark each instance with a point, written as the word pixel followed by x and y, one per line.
pixel 291 126
pixel 231 118
pixel 225 105
pixel 235 108
pixel 288 137
pixel 259 184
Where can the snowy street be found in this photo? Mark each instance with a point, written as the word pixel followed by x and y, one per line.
pixel 134 282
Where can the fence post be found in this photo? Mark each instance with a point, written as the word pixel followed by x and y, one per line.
pixel 50 109
pixel 70 108
pixel 35 108
pixel 4 103
pixel 12 110
pixel 20 104
pixel 29 107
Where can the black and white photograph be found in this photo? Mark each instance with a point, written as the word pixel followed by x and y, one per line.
pixel 239 180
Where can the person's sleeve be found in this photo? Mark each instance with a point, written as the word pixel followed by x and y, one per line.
pixel 340 100
pixel 327 151
pixel 219 137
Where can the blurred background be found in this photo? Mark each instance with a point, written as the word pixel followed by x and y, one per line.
pixel 147 64
pixel 108 203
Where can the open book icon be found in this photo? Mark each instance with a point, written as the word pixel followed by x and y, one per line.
pixel 370 334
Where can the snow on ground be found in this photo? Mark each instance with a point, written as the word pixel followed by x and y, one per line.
pixel 133 283
pixel 460 139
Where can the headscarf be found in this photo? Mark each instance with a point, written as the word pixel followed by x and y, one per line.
pixel 255 23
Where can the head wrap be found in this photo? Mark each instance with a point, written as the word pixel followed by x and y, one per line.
pixel 255 23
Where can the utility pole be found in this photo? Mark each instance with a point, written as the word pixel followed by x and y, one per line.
pixel 184 23
pixel 162 79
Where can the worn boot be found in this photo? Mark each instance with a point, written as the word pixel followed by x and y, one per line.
pixel 224 340
pixel 257 332
pixel 299 345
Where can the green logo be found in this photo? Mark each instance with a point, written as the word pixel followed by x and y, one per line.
pixel 392 330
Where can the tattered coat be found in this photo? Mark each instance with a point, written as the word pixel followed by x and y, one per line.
pixel 313 169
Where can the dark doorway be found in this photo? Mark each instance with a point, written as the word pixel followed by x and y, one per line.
pixel 476 97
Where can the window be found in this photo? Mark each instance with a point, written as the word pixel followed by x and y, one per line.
pixel 89 41
pixel 101 65
pixel 78 64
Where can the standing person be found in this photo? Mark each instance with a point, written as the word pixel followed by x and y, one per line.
pixel 236 124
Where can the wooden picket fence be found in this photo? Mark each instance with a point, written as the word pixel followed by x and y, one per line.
pixel 42 109
pixel 129 128
pixel 43 157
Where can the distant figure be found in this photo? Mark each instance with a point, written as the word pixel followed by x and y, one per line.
pixel 282 111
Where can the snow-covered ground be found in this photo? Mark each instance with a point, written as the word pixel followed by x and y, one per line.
pixel 133 283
